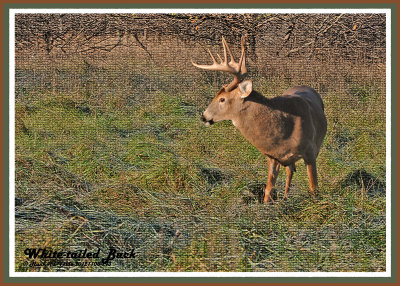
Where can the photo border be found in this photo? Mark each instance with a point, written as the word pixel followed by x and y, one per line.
pixel 6 175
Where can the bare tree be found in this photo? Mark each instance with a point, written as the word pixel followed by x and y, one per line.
pixel 285 35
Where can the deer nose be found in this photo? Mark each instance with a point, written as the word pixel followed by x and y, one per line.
pixel 203 119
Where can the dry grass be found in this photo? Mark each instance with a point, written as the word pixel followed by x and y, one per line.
pixel 110 153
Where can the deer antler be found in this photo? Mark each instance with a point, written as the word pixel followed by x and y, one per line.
pixel 238 69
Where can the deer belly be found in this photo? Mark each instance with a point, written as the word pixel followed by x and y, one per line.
pixel 285 160
pixel 282 154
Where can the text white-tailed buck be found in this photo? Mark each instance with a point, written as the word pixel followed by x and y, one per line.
pixel 285 128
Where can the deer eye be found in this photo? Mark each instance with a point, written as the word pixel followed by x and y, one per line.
pixel 222 99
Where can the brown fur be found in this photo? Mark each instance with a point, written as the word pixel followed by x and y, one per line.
pixel 285 128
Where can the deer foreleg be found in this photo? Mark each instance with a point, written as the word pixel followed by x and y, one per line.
pixel 273 171
pixel 289 174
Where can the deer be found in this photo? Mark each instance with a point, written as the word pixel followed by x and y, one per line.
pixel 284 128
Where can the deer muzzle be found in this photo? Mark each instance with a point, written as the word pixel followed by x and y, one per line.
pixel 206 121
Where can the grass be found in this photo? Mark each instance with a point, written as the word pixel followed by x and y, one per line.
pixel 116 156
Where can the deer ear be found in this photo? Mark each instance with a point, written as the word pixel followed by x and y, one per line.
pixel 245 88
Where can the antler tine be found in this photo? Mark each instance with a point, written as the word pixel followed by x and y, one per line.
pixel 226 47
pixel 212 57
pixel 242 61
pixel 211 67
pixel 220 59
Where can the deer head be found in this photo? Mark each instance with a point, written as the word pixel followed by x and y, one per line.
pixel 228 100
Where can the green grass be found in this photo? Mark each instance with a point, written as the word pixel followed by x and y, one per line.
pixel 119 158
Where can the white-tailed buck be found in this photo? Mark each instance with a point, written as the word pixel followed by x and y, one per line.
pixel 284 128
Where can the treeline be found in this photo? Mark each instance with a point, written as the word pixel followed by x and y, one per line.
pixel 287 35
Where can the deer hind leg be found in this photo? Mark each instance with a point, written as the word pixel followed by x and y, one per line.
pixel 312 177
pixel 289 175
pixel 273 171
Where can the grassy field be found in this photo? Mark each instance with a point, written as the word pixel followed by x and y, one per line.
pixel 111 153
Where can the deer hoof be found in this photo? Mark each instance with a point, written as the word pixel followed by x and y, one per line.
pixel 269 199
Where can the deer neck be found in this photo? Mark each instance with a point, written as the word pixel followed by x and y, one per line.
pixel 249 111
pixel 256 120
